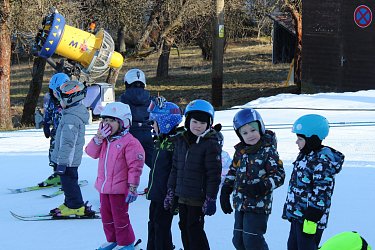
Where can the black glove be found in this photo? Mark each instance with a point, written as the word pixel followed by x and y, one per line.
pixel 46 130
pixel 60 170
pixel 254 190
pixel 225 192
pixel 313 214
pixel 311 217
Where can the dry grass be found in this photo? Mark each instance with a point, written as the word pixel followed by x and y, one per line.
pixel 248 75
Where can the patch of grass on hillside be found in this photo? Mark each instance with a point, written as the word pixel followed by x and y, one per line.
pixel 248 75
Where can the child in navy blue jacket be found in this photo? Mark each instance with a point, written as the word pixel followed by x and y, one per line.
pixel 138 99
pixel 166 118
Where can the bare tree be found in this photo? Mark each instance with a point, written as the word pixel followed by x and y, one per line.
pixel 5 51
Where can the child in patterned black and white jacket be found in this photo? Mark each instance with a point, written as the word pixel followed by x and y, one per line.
pixel 311 184
pixel 255 172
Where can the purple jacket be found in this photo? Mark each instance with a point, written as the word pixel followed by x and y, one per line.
pixel 120 163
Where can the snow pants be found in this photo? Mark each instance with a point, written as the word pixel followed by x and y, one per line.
pixel 159 227
pixel 115 219
pixel 72 191
pixel 249 229
pixel 298 240
pixel 192 228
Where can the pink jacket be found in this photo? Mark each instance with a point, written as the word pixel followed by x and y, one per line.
pixel 120 163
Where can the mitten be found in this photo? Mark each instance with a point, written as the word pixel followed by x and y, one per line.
pixel 226 190
pixel 46 130
pixel 132 194
pixel 209 206
pixel 254 190
pixel 103 132
pixel 60 170
pixel 169 200
pixel 311 217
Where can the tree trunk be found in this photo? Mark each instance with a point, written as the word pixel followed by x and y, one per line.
pixel 163 62
pixel 32 97
pixel 297 18
pixel 5 54
pixel 121 47
pixel 112 76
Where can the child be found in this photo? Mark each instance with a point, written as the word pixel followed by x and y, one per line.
pixel 311 184
pixel 52 116
pixel 195 176
pixel 67 154
pixel 121 159
pixel 255 172
pixel 165 122
pixel 138 98
pixel 226 160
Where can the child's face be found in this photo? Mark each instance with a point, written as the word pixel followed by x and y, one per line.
pixel 250 135
pixel 300 142
pixel 197 127
pixel 112 123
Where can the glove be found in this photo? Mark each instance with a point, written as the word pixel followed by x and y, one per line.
pixel 310 223
pixel 254 190
pixel 103 132
pixel 60 170
pixel 209 206
pixel 226 190
pixel 46 130
pixel 132 194
pixel 169 200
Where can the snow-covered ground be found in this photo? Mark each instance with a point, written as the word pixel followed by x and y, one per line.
pixel 24 162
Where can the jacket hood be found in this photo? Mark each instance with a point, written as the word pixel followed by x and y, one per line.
pixel 78 110
pixel 137 96
pixel 336 158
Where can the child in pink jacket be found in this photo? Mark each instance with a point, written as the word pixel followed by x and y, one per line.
pixel 121 159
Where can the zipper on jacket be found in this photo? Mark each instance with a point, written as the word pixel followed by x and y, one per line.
pixel 105 167
pixel 152 174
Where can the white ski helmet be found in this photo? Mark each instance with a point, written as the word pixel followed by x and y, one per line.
pixel 120 111
pixel 134 75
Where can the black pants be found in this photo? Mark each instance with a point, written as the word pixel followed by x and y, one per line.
pixel 159 228
pixel 192 228
pixel 72 191
pixel 298 240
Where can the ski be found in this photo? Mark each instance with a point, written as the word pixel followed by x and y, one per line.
pixel 32 188
pixel 44 217
pixel 60 191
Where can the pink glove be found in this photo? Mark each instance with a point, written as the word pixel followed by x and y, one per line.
pixel 103 132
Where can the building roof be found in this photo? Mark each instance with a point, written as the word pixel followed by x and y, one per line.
pixel 285 20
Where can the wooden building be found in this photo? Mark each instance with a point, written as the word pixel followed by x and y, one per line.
pixel 283 37
pixel 338 45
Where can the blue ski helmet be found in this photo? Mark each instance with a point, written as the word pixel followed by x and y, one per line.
pixel 246 116
pixel 200 105
pixel 57 80
pixel 167 117
pixel 309 125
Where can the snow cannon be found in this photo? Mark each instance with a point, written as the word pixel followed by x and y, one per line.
pixel 94 52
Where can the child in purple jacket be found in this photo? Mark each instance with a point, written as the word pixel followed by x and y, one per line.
pixel 121 159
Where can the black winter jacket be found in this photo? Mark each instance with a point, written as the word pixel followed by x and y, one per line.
pixel 196 167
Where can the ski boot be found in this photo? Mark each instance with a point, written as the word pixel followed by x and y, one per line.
pixel 58 209
pixel 84 211
pixel 52 180
pixel 107 246
pixel 128 247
